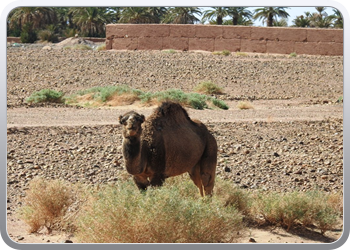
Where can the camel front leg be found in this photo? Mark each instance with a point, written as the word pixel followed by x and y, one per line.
pixel 141 182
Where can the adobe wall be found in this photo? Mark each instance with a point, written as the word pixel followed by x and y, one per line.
pixel 217 38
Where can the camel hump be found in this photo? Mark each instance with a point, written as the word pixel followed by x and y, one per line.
pixel 172 111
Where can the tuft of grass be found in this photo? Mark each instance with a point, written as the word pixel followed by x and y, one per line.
pixel 46 204
pixel 208 87
pixel 223 53
pixel 169 51
pixel 293 54
pixel 245 105
pixel 46 95
pixel 241 54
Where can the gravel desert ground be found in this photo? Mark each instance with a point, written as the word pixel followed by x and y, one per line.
pixel 292 138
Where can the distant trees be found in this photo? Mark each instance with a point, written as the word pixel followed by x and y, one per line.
pixel 182 15
pixel 319 19
pixel 269 15
pixel 91 21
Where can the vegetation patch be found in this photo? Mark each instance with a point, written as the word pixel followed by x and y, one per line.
pixel 124 95
pixel 46 95
pixel 293 54
pixel 120 213
pixel 222 53
pixel 209 88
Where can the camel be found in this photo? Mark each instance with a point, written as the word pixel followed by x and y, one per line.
pixel 168 143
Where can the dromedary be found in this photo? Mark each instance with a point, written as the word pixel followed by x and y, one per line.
pixel 167 144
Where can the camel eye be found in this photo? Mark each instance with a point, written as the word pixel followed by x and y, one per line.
pixel 122 120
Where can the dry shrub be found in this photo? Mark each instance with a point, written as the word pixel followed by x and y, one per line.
pixel 245 105
pixel 208 88
pixel 170 214
pixel 46 204
pixel 122 100
pixel 311 208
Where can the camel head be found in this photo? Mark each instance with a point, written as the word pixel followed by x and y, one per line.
pixel 131 122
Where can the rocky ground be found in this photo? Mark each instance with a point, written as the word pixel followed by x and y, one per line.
pixel 291 140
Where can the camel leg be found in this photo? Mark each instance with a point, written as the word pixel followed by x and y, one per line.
pixel 208 166
pixel 157 180
pixel 141 182
pixel 196 178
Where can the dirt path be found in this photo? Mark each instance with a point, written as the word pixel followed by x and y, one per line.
pixel 273 110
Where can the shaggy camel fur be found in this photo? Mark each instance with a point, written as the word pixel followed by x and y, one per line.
pixel 167 144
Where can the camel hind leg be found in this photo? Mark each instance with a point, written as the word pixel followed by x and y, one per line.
pixel 196 178
pixel 208 166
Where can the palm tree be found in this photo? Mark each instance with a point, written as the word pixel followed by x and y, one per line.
pixel 283 22
pixel 302 21
pixel 139 15
pixel 321 18
pixel 182 15
pixel 269 14
pixel 218 13
pixel 338 19
pixel 239 14
pixel 91 20
pixel 158 13
pixel 39 17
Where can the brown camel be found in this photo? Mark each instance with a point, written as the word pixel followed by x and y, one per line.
pixel 167 144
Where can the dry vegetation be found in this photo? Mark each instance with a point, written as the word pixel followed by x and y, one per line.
pixel 120 213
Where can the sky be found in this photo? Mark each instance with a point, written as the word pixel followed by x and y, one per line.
pixel 293 13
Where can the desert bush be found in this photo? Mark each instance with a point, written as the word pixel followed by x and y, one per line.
pixel 323 210
pixel 293 54
pixel 171 214
pixel 311 208
pixel 46 204
pixel 46 95
pixel 208 87
pixel 219 103
pixel 245 105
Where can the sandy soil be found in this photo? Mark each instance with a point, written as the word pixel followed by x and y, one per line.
pixel 303 111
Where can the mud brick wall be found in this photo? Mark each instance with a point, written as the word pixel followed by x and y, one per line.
pixel 217 38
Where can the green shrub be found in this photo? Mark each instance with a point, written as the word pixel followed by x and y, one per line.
pixel 220 104
pixel 293 54
pixel 46 95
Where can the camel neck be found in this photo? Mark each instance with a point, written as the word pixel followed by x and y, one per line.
pixel 131 147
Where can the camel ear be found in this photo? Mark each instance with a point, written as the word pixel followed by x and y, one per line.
pixel 142 118
pixel 121 119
